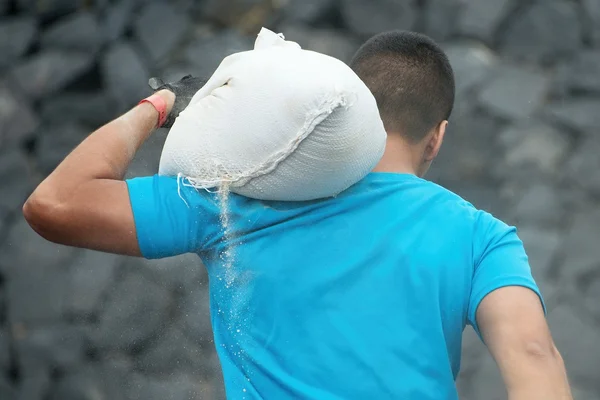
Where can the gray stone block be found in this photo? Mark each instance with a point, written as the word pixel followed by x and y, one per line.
pixel 541 246
pixel 307 11
pixel 34 386
pixel 117 19
pixel 472 64
pixel 441 18
pixel 540 205
pixel 176 387
pixel 514 92
pixel 206 53
pixel 93 381
pixel 591 292
pixel 195 315
pixel 61 347
pixel 92 109
pixel 580 247
pixel 544 32
pixel 160 27
pixel 4 350
pixel 534 144
pixel 92 274
pixel 49 8
pixel 17 180
pixel 78 31
pixel 55 142
pixel 580 114
pixel 591 10
pixel 7 390
pixel 584 166
pixel 184 273
pixel 482 18
pixel 49 71
pixel 136 311
pixel 326 41
pixel 17 119
pixel 125 74
pixel 583 74
pixel 16 36
pixel 367 18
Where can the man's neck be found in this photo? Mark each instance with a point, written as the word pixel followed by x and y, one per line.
pixel 399 157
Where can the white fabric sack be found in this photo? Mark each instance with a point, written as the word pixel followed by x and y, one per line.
pixel 277 123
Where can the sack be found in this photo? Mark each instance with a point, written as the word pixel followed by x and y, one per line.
pixel 277 123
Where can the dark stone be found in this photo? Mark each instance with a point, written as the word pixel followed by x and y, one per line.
pixel 35 272
pixel 92 109
pixel 533 144
pixel 93 381
pixel 592 297
pixel 579 114
pixel 514 92
pixel 44 349
pixel 17 181
pixel 176 387
pixel 592 12
pixel 540 205
pixel 441 17
pixel 4 6
pixel 326 41
pixel 174 352
pixel 584 72
pixel 92 273
pixel 195 315
pixel 584 166
pixel 50 8
pixel 580 247
pixel 206 54
pixel 367 18
pixel 49 71
pixel 577 342
pixel 472 64
pixel 17 119
pixel 125 74
pixel 7 391
pixel 34 386
pixel 481 18
pixel 544 32
pixel 136 310
pixel 160 28
pixel 4 351
pixel 78 31
pixel 117 19
pixel 16 35
pixel 55 142
pixel 307 11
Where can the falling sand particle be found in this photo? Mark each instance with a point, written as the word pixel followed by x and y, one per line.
pixel 225 218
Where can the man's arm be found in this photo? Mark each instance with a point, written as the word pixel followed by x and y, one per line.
pixel 513 326
pixel 84 202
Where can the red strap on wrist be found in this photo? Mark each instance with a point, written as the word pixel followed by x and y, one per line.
pixel 160 105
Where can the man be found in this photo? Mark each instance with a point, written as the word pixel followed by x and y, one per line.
pixel 364 296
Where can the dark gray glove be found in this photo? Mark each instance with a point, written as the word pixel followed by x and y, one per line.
pixel 184 90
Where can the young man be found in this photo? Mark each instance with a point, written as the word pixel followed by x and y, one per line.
pixel 363 296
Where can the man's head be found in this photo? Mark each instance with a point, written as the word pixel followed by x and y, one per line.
pixel 413 83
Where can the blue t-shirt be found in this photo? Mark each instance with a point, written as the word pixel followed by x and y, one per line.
pixel 362 296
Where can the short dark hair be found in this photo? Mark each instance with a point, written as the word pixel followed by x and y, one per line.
pixel 411 79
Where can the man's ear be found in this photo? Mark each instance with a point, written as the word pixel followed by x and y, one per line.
pixel 435 140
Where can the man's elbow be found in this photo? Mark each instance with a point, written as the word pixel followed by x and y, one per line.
pixel 42 213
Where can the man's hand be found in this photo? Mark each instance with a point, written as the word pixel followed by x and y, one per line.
pixel 184 90
pixel 512 323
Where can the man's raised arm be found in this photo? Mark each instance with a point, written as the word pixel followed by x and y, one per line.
pixel 513 326
pixel 84 202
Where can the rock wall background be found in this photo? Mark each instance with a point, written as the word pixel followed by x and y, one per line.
pixel 523 144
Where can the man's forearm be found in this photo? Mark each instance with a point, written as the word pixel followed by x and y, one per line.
pixel 106 153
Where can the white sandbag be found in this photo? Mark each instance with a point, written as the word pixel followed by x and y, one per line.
pixel 277 123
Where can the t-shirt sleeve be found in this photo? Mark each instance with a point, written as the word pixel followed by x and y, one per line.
pixel 171 218
pixel 500 260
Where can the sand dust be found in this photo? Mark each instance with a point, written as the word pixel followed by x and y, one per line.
pixel 228 254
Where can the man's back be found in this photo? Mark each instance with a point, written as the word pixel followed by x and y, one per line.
pixel 361 296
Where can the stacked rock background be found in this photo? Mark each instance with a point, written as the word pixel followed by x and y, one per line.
pixel 523 144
